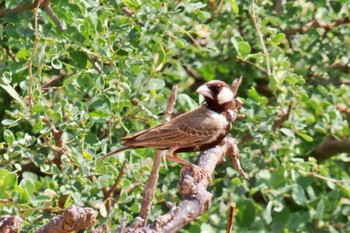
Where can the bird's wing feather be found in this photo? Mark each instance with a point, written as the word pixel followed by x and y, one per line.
pixel 186 130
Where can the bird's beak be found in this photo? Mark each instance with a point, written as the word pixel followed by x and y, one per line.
pixel 205 91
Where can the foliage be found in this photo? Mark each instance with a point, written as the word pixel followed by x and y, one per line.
pixel 68 96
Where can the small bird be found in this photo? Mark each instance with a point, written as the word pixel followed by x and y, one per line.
pixel 198 130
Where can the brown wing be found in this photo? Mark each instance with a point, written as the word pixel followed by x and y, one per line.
pixel 190 129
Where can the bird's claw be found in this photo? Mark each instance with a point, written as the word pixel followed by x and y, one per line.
pixel 199 173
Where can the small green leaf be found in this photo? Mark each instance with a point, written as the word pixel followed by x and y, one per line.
pixel 235 40
pixel 9 136
pixel 298 195
pixel 9 181
pixel 305 137
pixel 155 84
pixel 253 94
pixel 27 185
pixel 40 199
pixel 180 43
pixel 70 79
pixel 287 132
pixel 234 6
pixel 55 63
pixel 39 56
pixel 159 56
pixel 80 58
pixel 38 126
pixel 10 90
pixel 243 49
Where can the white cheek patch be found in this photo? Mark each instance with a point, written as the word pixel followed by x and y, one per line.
pixel 225 95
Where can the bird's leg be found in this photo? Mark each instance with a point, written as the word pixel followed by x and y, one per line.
pixel 198 172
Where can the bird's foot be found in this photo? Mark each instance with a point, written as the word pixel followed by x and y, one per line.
pixel 199 173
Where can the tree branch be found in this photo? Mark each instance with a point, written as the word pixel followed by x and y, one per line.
pixel 151 185
pixel 261 39
pixel 43 4
pixel 195 198
pixel 316 23
pixel 11 224
pixel 74 218
pixel 329 147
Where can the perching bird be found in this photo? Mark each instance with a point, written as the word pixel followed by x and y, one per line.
pixel 197 130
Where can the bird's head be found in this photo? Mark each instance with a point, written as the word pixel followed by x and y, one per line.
pixel 218 94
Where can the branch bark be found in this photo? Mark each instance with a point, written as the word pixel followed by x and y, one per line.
pixel 316 23
pixel 151 185
pixel 329 147
pixel 74 218
pixel 43 4
pixel 195 198
pixel 11 224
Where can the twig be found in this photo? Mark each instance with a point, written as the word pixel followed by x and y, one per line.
pixel 109 192
pixel 30 64
pixel 313 174
pixel 151 185
pixel 46 6
pixel 11 54
pixel 283 116
pixel 189 35
pixel 230 217
pixel 316 23
pixel 214 12
pixel 252 63
pixel 261 39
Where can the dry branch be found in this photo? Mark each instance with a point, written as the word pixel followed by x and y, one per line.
pixel 329 147
pixel 261 39
pixel 10 224
pixel 43 4
pixel 316 23
pixel 74 218
pixel 151 185
pixel 195 198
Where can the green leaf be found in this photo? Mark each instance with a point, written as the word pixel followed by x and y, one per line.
pixel 159 56
pixel 38 126
pixel 298 195
pixel 27 185
pixel 80 58
pixel 9 181
pixel 234 6
pixel 305 137
pixel 55 63
pixel 155 84
pixel 235 40
pixel 10 90
pixel 9 136
pixel 287 132
pixel 39 56
pixel 254 95
pixel 243 49
pixel 37 200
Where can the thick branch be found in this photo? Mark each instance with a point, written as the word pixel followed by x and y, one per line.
pixel 316 23
pixel 195 198
pixel 74 218
pixel 329 147
pixel 11 224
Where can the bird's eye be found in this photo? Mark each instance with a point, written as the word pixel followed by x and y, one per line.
pixel 217 88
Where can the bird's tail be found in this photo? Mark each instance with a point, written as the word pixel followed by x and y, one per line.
pixel 115 151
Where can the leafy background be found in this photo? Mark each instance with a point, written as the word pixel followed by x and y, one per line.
pixel 68 95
